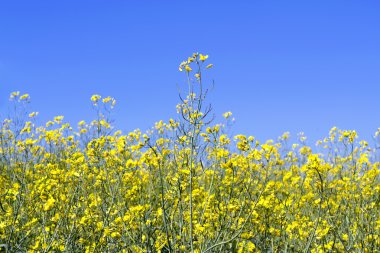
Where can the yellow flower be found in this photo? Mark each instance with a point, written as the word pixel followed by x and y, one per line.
pixel 33 114
pixel 14 94
pixel 95 98
pixel 106 100
pixel 203 57
pixel 209 66
pixel 227 115
pixel 115 234
pixel 49 204
pixel 187 68
pixel 24 97
pixel 58 119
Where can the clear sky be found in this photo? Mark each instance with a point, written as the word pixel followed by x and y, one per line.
pixel 278 65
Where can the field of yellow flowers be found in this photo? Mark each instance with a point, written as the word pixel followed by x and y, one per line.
pixel 184 186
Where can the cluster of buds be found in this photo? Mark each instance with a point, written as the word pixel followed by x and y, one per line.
pixel 16 94
pixel 195 58
pixel 107 100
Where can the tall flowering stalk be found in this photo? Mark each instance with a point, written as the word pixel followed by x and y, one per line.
pixel 193 116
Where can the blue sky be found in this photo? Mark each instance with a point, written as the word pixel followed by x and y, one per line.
pixel 279 65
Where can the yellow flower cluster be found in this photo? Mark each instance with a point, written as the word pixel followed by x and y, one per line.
pixel 197 59
pixel 184 186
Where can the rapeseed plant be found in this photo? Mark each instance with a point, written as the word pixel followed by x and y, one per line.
pixel 184 186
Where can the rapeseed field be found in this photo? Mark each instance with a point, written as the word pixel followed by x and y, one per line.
pixel 186 185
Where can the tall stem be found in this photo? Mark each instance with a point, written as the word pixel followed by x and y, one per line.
pixel 191 164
